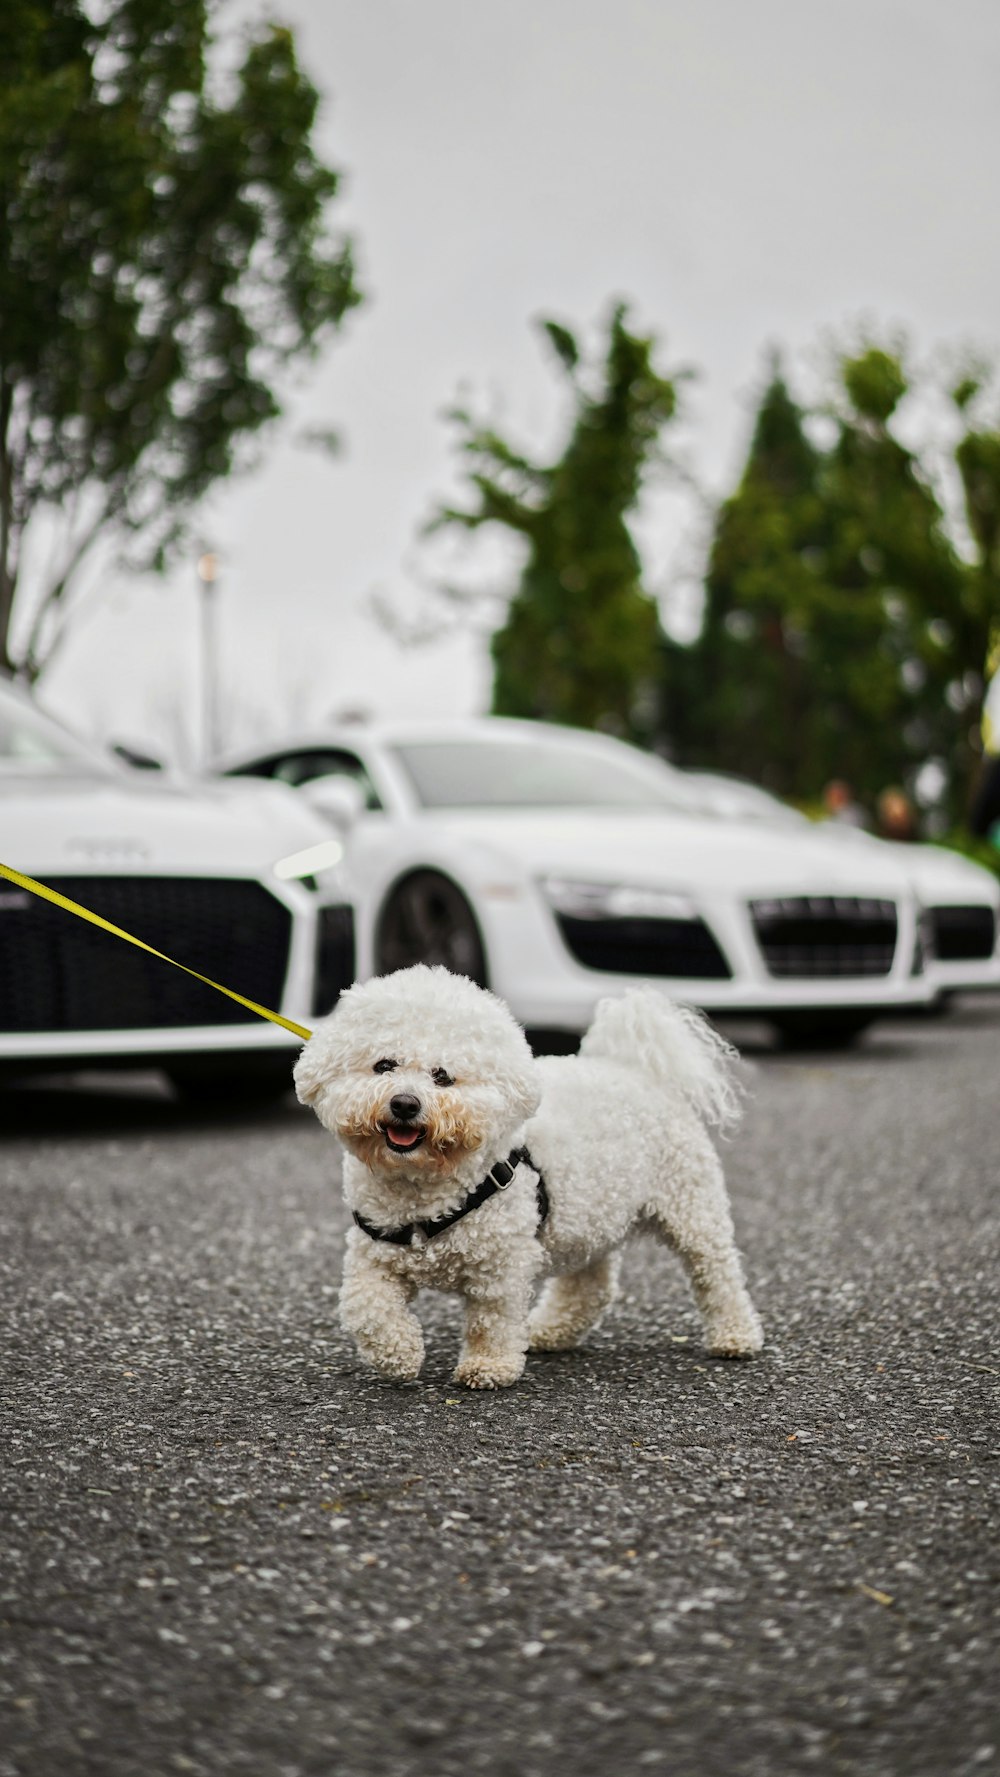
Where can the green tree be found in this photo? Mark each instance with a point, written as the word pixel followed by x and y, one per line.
pixel 978 459
pixel 737 699
pixel 845 633
pixel 579 641
pixel 164 252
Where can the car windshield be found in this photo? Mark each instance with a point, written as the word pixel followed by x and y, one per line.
pixel 542 772
pixel 31 745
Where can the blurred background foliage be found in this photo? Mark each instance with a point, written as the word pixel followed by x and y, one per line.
pixel 851 609
pixel 847 623
pixel 165 250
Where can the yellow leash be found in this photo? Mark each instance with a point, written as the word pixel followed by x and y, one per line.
pixel 47 894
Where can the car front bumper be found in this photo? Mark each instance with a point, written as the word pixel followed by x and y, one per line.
pixel 547 987
pixel 55 967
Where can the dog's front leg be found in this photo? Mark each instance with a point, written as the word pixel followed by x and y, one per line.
pixel 496 1330
pixel 374 1309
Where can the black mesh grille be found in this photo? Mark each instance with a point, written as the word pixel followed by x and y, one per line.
pixel 59 974
pixel 824 935
pixel 962 934
pixel 683 948
pixel 334 958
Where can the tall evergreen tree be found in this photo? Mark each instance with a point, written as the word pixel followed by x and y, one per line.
pixel 579 641
pixel 890 556
pixel 978 459
pixel 738 697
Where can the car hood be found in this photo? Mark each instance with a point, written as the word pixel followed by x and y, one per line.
pixel 944 876
pixel 677 851
pixel 936 873
pixel 94 825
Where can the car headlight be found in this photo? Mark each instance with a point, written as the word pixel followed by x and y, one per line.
pixel 923 939
pixel 310 862
pixel 614 900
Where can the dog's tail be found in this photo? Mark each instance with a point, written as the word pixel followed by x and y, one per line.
pixel 672 1043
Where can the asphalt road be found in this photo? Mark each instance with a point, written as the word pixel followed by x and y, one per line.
pixel 228 1549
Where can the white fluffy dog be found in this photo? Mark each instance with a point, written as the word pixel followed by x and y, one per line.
pixel 476 1169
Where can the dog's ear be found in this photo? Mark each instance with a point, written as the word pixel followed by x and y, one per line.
pixel 528 1091
pixel 308 1073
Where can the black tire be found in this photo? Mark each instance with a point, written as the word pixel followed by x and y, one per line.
pixel 255 1082
pixel 427 919
pixel 821 1030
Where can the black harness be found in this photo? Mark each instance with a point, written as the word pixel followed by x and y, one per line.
pixel 497 1179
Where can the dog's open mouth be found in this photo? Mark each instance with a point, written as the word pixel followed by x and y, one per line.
pixel 403 1138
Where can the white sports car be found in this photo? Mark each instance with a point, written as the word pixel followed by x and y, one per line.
pixel 960 901
pixel 238 881
pixel 558 866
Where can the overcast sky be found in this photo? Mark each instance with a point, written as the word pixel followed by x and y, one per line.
pixel 744 174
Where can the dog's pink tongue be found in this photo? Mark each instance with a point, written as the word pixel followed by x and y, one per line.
pixel 404 1138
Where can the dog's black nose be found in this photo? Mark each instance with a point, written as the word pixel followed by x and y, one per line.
pixel 404 1107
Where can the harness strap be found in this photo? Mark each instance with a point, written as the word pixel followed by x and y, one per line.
pixel 497 1179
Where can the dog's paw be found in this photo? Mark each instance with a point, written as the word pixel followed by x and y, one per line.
pixel 399 1362
pixel 483 1371
pixel 739 1337
pixel 551 1335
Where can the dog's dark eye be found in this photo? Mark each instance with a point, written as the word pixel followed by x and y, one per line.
pixel 442 1077
pixel 385 1066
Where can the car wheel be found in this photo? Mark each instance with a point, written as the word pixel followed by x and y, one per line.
pixel 427 919
pixel 821 1030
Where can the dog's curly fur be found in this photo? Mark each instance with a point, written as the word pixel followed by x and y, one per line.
pixel 617 1131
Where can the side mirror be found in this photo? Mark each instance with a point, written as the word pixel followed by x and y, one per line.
pixel 339 799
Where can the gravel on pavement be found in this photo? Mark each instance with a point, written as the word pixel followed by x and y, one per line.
pixel 227 1548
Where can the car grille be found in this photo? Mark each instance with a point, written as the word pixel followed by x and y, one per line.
pixel 59 974
pixel 962 934
pixel 682 948
pixel 819 935
pixel 334 958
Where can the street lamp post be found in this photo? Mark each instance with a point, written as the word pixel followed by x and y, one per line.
pixel 208 569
